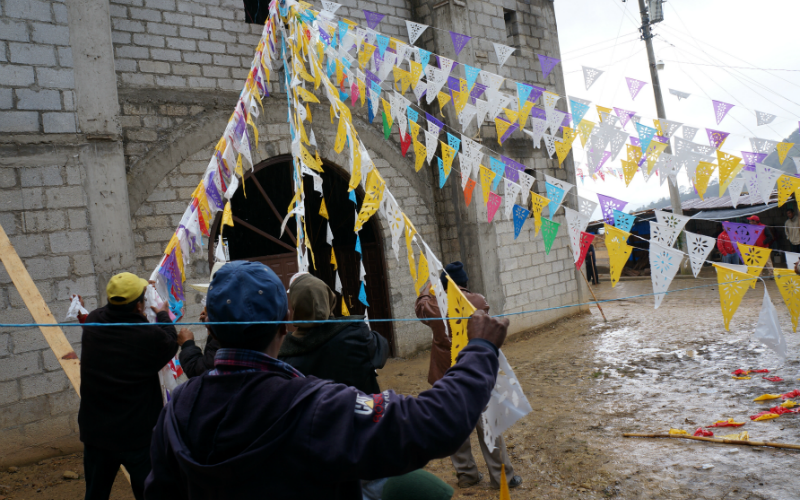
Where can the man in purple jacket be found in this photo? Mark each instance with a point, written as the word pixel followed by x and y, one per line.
pixel 254 427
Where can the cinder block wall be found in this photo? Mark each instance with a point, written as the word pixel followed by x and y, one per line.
pixel 43 210
pixel 36 78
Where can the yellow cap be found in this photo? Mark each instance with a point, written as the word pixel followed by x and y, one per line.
pixel 124 288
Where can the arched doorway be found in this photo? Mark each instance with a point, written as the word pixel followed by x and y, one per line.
pixel 256 235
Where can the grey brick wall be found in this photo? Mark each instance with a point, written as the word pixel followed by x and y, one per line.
pixel 43 210
pixel 36 82
pixel 182 44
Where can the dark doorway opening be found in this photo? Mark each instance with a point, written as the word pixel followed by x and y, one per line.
pixel 256 235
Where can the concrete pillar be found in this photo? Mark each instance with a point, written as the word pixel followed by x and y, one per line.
pixel 102 155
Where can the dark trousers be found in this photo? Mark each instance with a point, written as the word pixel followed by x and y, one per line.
pixel 101 466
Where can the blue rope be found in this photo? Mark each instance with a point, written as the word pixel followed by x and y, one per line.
pixel 394 320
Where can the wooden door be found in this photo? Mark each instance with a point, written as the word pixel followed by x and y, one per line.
pixel 258 213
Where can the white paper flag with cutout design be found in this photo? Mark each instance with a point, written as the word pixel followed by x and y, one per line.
pixel 763 118
pixel 503 52
pixel 550 143
pixel 766 177
pixel 763 145
pixel 431 143
pixel 664 264
pixel 396 221
pixel 538 127
pixel 512 189
pixel 699 248
pixel 677 222
pixel 491 80
pixel 525 182
pixel 735 190
pixel 662 234
pixel 414 30
pixel 586 207
pixel 576 223
pixel 590 75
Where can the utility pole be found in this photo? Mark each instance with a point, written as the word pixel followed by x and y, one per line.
pixel 647 36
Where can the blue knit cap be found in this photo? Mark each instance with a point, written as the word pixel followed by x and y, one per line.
pixel 456 272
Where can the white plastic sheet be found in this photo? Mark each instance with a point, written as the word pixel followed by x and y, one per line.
pixel 507 405
pixel 768 331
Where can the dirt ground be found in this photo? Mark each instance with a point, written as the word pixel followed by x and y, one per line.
pixel 588 382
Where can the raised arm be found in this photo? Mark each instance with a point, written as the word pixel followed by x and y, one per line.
pixel 381 435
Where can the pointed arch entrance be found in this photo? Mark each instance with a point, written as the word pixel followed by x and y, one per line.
pixel 259 207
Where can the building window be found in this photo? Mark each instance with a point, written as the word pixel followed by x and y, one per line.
pixel 512 27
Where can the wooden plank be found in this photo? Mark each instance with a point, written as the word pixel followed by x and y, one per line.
pixel 272 206
pixel 266 235
pixel 40 312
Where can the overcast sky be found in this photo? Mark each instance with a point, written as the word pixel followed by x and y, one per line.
pixel 695 36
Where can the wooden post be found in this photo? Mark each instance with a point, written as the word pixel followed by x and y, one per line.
pixel 593 295
pixel 40 312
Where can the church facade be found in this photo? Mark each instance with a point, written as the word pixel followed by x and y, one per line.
pixel 109 113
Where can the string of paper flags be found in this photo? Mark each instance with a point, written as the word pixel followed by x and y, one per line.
pixel 546 63
pixel 555 144
pixel 232 155
pixel 492 200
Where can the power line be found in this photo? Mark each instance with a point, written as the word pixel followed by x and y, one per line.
pixel 742 76
pixel 723 51
pixel 732 67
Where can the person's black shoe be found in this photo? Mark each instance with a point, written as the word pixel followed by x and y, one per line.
pixel 466 482
pixel 515 481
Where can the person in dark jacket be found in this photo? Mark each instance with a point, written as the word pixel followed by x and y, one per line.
pixel 255 426
pixel 347 352
pixel 120 390
pixel 194 360
pixel 591 268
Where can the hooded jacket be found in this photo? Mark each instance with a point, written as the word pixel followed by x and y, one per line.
pixel 347 353
pixel 120 391
pixel 268 435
